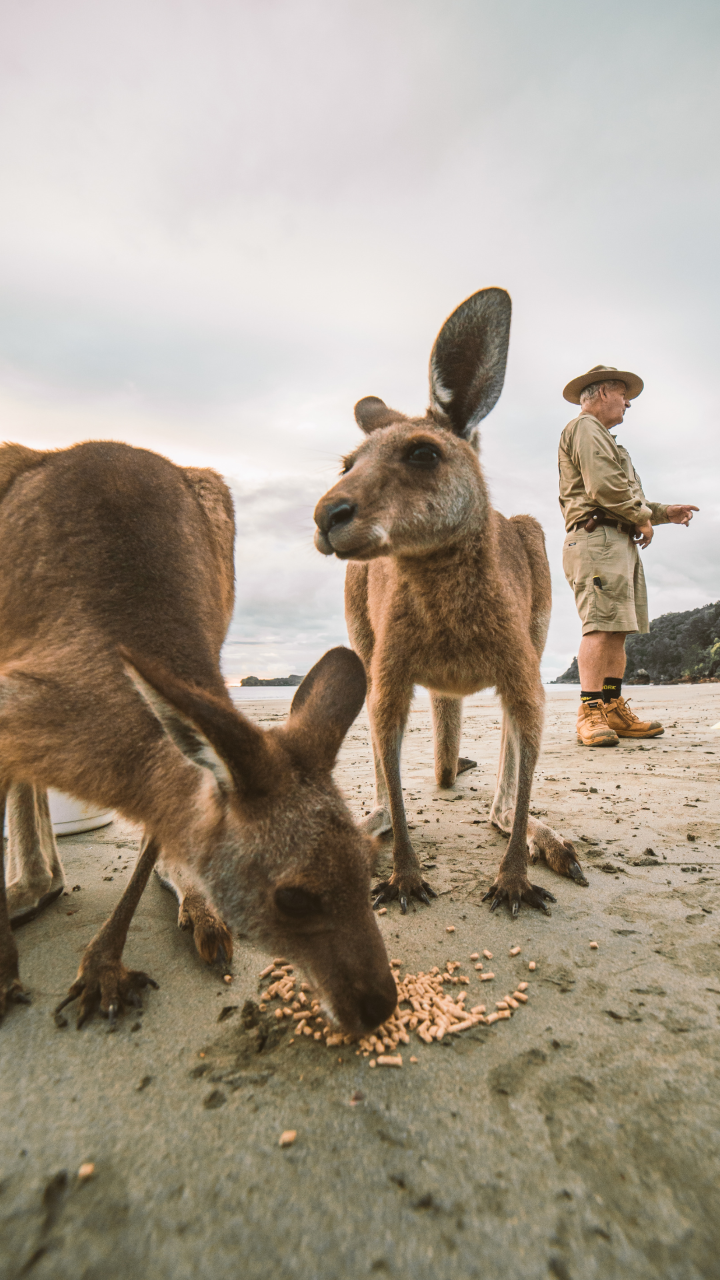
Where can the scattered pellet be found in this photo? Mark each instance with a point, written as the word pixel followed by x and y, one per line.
pixel 492 1017
pixel 266 971
pixel 504 1013
pixel 278 961
pixel 389 1060
pixel 523 986
pixel 488 955
pixel 512 1002
pixel 382 911
pixel 501 1004
pixel 486 977
pixel 475 955
pixel 287 1137
pixel 478 967
pixel 413 1059
pixel 86 1170
pixel 278 1013
pixel 227 977
pixel 519 995
pixel 532 966
pixel 372 1063
pixel 450 928
pixel 515 951
pixel 593 946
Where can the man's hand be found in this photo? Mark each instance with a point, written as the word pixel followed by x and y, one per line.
pixel 644 533
pixel 681 513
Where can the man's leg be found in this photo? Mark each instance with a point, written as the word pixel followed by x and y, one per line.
pixel 601 655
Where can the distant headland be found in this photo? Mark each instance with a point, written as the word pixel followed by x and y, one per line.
pixel 680 648
pixel 255 681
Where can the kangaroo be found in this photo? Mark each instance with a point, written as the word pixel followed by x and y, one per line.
pixel 443 591
pixel 116 590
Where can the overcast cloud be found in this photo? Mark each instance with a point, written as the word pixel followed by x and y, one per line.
pixel 223 223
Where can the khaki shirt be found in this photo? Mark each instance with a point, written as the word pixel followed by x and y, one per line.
pixel 596 471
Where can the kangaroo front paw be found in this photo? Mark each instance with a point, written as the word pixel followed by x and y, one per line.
pixel 402 885
pixel 104 984
pixel 212 938
pixel 513 888
pixel 559 854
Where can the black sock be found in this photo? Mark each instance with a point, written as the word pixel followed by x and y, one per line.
pixel 611 688
pixel 590 697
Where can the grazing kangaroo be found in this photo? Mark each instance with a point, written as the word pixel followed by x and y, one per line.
pixel 116 589
pixel 443 591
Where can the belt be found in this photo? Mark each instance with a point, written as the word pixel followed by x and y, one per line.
pixel 591 522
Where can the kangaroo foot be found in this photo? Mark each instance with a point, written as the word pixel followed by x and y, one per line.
pixel 546 845
pixel 402 885
pixel 104 984
pixel 212 938
pixel 514 889
pixel 377 823
pixel 22 910
pixel 464 764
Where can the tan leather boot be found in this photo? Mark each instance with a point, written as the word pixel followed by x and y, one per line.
pixel 627 725
pixel 593 729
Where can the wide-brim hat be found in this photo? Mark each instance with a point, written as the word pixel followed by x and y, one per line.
pixel 603 373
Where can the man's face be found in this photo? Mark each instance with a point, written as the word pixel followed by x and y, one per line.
pixel 615 402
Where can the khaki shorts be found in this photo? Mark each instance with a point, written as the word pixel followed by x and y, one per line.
pixel 605 571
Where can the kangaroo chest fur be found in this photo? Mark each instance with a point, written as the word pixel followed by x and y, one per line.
pixel 444 621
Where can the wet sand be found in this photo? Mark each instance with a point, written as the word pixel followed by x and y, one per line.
pixel 580 1139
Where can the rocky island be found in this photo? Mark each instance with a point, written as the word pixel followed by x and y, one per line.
pixel 679 648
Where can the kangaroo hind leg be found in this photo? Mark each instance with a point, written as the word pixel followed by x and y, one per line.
pixel 35 875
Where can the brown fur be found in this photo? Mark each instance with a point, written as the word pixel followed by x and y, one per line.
pixel 116 589
pixel 443 591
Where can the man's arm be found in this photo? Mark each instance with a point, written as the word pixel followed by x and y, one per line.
pixel 595 453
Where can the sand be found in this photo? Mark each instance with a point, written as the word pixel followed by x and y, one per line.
pixel 580 1139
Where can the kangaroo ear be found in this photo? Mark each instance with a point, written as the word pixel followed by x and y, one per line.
pixel 372 413
pixel 467 365
pixel 324 707
pixel 206 729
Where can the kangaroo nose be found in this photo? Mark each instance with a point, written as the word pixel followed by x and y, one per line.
pixel 341 513
pixel 375 1008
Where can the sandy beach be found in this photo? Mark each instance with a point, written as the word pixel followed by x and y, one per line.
pixel 577 1140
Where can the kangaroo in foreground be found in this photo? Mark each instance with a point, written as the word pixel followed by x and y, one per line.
pixel 443 591
pixel 116 590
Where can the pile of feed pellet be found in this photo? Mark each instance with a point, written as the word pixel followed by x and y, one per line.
pixel 426 1007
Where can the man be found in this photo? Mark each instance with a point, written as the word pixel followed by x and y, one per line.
pixel 607 517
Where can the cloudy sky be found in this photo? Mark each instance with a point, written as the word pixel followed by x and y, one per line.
pixel 225 221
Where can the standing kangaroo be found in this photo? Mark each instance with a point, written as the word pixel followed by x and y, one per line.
pixel 444 592
pixel 116 590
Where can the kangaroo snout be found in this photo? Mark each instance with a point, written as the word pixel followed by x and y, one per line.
pixel 333 519
pixel 376 1006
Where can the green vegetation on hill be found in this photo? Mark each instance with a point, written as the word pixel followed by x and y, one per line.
pixel 679 646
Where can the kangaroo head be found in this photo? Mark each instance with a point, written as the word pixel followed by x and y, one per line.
pixel 271 839
pixel 415 483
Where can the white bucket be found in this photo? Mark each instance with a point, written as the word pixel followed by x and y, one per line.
pixel 70 815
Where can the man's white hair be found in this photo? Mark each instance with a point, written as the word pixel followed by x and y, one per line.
pixel 589 393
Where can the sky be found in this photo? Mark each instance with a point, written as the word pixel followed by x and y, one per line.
pixel 224 221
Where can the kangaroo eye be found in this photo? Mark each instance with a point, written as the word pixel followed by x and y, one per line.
pixel 424 455
pixel 295 901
